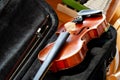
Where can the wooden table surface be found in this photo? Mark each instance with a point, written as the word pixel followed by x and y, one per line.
pixel 61 16
pixel 110 14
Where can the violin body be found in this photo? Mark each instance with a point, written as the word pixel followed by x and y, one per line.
pixel 74 49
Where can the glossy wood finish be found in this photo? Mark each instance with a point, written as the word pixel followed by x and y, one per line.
pixel 113 12
pixel 74 50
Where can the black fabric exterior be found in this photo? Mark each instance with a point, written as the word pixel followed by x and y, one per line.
pixel 101 52
pixel 19 21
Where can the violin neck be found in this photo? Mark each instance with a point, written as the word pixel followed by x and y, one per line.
pixel 52 54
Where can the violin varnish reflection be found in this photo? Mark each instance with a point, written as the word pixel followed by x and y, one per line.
pixel 74 49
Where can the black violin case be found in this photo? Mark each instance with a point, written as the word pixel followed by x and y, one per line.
pixel 101 52
pixel 26 26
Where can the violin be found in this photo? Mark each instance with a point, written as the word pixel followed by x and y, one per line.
pixel 70 48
